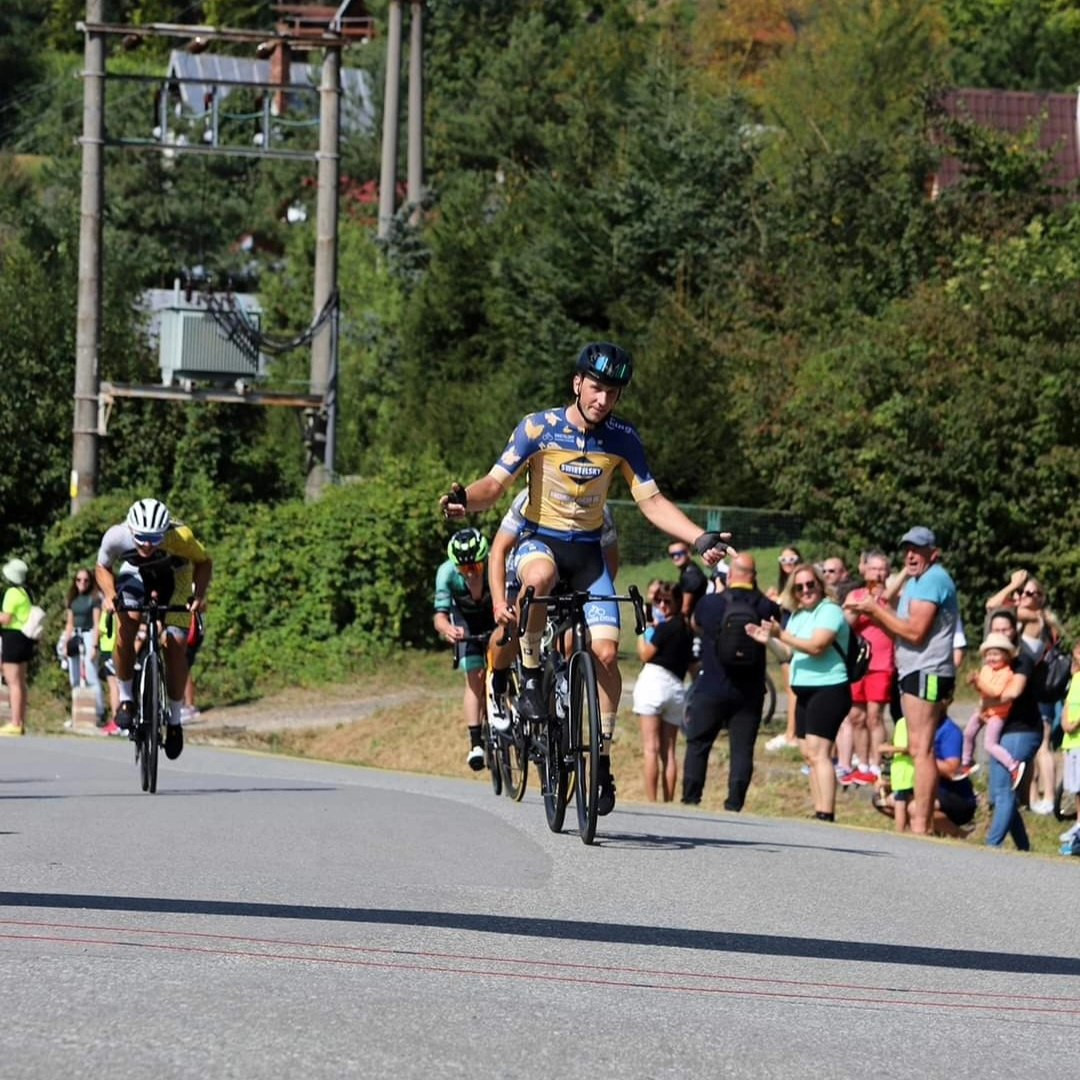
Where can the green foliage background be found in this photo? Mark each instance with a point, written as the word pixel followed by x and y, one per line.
pixel 736 192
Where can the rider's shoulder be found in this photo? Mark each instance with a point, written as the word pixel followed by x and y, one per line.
pixel 619 426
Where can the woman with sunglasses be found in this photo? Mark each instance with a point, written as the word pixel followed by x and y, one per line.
pixel 816 637
pixel 81 634
pixel 659 697
pixel 789 558
pixel 1038 629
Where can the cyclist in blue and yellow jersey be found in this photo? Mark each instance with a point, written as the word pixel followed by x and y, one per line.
pixel 463 609
pixel 572 454
pixel 151 552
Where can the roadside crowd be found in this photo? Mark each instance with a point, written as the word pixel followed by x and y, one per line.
pixel 882 721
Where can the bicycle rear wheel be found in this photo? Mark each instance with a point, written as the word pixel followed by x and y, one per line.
pixel 585 741
pixel 152 705
pixel 768 703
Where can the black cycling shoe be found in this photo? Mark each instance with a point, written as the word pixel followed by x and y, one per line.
pixel 605 800
pixel 174 741
pixel 530 700
pixel 125 715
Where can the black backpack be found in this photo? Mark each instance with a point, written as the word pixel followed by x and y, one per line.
pixel 856 657
pixel 1052 674
pixel 735 648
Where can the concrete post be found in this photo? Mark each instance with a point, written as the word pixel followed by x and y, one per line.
pixel 391 109
pixel 84 449
pixel 416 110
pixel 324 345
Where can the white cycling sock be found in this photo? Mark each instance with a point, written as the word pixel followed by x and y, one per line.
pixel 530 648
pixel 174 711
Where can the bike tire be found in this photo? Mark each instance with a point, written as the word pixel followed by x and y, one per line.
pixel 555 777
pixel 585 742
pixel 491 757
pixel 768 702
pixel 152 718
pixel 514 761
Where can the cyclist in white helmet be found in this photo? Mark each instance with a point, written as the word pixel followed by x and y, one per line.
pixel 151 552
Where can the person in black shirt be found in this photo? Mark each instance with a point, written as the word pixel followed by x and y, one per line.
pixel 693 584
pixel 731 687
pixel 658 692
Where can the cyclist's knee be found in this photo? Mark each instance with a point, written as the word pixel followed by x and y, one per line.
pixel 606 653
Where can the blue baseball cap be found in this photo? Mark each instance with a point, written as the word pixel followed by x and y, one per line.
pixel 920 536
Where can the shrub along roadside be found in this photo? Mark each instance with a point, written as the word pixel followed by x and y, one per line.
pixel 303 593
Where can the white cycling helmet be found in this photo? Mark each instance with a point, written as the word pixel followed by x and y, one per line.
pixel 149 521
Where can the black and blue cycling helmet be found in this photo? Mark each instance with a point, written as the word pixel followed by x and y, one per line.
pixel 606 363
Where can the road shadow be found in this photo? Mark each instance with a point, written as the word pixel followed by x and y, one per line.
pixel 570 930
pixel 172 793
pixel 681 843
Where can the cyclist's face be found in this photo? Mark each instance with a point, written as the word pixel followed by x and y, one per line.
pixel 594 399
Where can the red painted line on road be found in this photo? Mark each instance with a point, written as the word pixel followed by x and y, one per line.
pixel 536 977
pixel 521 961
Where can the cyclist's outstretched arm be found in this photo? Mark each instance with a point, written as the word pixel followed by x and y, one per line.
pixel 667 517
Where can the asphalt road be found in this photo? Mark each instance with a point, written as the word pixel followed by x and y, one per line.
pixel 261 917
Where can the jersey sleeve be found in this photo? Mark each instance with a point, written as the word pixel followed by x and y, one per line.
pixel 514 519
pixel 523 443
pixel 444 600
pixel 634 467
pixel 114 543
pixel 180 541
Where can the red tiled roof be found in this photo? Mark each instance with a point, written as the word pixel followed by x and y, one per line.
pixel 1016 111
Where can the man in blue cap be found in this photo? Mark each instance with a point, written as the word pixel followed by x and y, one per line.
pixel 923 626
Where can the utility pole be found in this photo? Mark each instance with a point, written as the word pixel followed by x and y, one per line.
pixel 84 449
pixel 415 190
pixel 391 109
pixel 324 346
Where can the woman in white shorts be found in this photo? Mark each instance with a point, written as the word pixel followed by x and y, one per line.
pixel 659 697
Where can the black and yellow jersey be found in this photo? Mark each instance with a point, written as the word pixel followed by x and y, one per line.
pixel 570 471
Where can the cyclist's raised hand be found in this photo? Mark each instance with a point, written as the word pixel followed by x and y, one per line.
pixel 453 503
pixel 713 546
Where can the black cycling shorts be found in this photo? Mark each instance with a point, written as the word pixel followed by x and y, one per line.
pixel 820 710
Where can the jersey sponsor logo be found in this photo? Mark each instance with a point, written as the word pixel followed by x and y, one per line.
pixel 615 424
pixel 581 469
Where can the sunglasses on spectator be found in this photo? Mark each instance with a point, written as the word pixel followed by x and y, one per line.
pixel 788 560
pixel 1031 592
pixel 805 586
pixel 678 554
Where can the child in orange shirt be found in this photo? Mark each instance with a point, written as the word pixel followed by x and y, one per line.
pixel 994 681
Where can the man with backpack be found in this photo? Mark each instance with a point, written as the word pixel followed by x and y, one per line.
pixel 731 687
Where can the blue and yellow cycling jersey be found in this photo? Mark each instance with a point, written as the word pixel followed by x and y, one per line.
pixel 570 471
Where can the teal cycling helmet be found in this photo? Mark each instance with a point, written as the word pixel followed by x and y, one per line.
pixel 467 546
pixel 606 363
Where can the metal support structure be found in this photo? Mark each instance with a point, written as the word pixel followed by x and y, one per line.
pixel 415 190
pixel 324 347
pixel 391 110
pixel 84 448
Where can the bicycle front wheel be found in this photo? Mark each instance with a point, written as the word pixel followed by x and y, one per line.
pixel 585 741
pixel 556 777
pixel 152 706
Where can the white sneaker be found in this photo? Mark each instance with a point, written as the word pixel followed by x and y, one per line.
pixel 1068 834
pixel 1043 808
pixel 777 742
pixel 475 760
